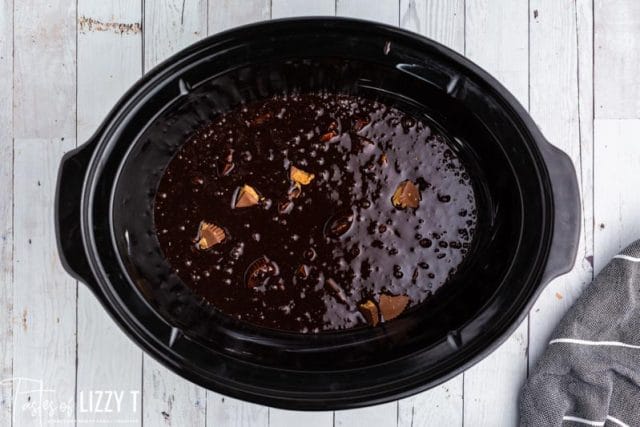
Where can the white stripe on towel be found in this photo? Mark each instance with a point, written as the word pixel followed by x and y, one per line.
pixel 583 421
pixel 617 421
pixel 628 258
pixel 587 342
pixel 594 423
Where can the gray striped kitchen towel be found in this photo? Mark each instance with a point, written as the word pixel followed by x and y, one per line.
pixel 590 373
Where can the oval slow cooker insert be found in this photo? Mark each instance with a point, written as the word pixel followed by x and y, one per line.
pixel 526 232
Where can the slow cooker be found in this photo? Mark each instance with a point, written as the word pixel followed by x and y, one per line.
pixel 527 235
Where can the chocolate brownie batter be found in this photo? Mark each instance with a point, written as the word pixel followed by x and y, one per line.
pixel 315 212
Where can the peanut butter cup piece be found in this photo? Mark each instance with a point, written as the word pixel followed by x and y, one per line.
pixel 406 195
pixel 209 235
pixel 247 196
pixel 300 176
pixel 391 306
pixel 370 312
pixel 260 271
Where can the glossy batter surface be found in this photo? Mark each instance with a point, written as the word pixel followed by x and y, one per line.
pixel 315 212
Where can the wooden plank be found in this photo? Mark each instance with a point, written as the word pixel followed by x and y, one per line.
pixel 616 204
pixel 282 418
pixel 584 23
pixel 386 11
pixel 45 72
pixel 109 61
pixel 170 25
pixel 44 296
pixel 226 411
pixel 440 20
pixel 6 209
pixel 441 406
pixel 224 14
pixel 443 21
pixel 560 98
pixel 385 415
pixel 617 59
pixel 222 410
pixel 170 400
pixel 287 8
pixel 497 39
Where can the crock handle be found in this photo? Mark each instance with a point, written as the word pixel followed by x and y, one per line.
pixel 567 208
pixel 71 176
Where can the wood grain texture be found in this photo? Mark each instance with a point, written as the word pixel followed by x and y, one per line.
pixel 169 400
pixel 109 61
pixel 443 21
pixel 45 71
pixel 170 25
pixel 6 209
pixel 44 303
pixel 617 205
pixel 224 14
pixel 440 20
pixel 226 411
pixel 617 48
pixel 282 418
pixel 440 406
pixel 557 86
pixel 385 415
pixel 497 39
pixel 386 11
pixel 287 8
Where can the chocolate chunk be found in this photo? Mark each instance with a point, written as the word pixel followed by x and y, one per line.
pixel 391 306
pixel 414 276
pixel 285 206
pixel 247 196
pixel 326 137
pixel 260 271
pixel 302 272
pixel 370 312
pixel 209 235
pixel 227 168
pixel 261 119
pixel 336 290
pixel 339 224
pixel 360 123
pixel 382 160
pixel 300 176
pixel 406 195
pixel 294 191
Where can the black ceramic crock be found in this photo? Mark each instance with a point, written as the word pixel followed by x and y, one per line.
pixel 526 189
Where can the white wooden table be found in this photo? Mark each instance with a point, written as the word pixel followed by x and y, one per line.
pixel 63 64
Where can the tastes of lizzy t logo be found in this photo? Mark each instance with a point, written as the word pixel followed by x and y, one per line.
pixel 35 404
